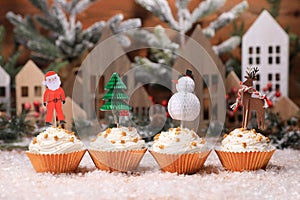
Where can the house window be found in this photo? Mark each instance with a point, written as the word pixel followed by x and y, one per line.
pixel 257 87
pixel 257 77
pixel 93 83
pixel 250 50
pixel 206 109
pixel 277 60
pixel 101 85
pixel 277 77
pixel 270 60
pixel 277 86
pixel 270 49
pixel 270 89
pixel 37 91
pixel 2 92
pixel 24 91
pixel 257 60
pixel 270 77
pixel 214 83
pixel 277 49
pixel 250 61
pixel 257 50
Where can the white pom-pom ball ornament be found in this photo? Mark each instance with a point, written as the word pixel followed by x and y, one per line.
pixel 184 105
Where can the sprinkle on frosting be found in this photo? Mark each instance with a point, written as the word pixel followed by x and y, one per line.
pixel 245 140
pixel 178 141
pixel 34 141
pixel 118 139
pixel 55 140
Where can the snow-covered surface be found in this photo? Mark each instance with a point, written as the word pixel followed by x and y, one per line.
pixel 281 180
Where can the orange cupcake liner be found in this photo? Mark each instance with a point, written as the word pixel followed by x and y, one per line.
pixel 55 163
pixel 180 163
pixel 241 161
pixel 122 161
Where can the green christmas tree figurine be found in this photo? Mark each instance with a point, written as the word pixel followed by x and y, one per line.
pixel 115 97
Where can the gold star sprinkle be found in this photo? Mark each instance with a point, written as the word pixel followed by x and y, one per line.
pixel 72 139
pixel 135 140
pixel 123 133
pixel 108 130
pixel 194 143
pixel 161 146
pixel 244 144
pixel 46 136
pixel 156 136
pixel 56 138
pixel 34 140
pixel 122 141
pixel 177 139
pixel 112 141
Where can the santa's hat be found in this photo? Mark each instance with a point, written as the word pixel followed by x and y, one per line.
pixel 49 74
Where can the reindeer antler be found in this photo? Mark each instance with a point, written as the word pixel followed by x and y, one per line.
pixel 252 72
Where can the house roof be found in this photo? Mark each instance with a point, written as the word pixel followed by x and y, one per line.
pixel 30 73
pixel 4 77
pixel 265 25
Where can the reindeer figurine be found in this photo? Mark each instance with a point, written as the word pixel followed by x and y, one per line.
pixel 251 100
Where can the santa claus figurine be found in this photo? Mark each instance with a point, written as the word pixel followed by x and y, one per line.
pixel 54 97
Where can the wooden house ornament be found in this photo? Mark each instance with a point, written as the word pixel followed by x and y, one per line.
pixel 266 45
pixel 5 90
pixel 209 80
pixel 29 85
pixel 93 83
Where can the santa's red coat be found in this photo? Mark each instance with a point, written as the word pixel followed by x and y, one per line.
pixel 54 99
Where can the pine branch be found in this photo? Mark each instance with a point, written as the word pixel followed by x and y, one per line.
pixel 48 24
pixel 225 18
pixel 161 9
pixel 227 45
pixel 41 5
pixel 205 8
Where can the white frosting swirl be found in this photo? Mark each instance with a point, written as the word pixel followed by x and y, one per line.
pixel 55 141
pixel 241 140
pixel 178 141
pixel 117 139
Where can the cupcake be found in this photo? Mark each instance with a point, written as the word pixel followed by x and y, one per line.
pixel 55 150
pixel 179 150
pixel 245 149
pixel 117 149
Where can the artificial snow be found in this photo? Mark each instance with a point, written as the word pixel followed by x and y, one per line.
pixel 281 180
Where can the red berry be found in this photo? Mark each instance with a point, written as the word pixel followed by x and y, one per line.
pixel 36 114
pixel 234 90
pixel 42 109
pixel 164 102
pixel 27 106
pixel 278 94
pixel 265 89
pixel 269 85
pixel 230 114
pixel 227 96
pixel 36 103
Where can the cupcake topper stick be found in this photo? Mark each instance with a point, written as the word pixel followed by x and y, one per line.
pixel 115 97
pixel 251 100
pixel 54 97
pixel 184 105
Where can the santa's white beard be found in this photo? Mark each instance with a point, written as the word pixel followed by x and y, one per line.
pixel 54 85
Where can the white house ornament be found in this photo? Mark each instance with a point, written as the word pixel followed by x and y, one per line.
pixel 184 105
